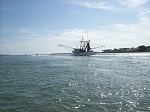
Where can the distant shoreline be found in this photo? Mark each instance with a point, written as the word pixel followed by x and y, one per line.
pixel 139 49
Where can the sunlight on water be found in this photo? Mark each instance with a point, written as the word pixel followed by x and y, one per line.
pixel 104 82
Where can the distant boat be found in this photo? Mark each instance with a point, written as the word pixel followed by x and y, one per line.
pixel 83 49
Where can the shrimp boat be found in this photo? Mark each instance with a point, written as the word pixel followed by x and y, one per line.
pixel 82 49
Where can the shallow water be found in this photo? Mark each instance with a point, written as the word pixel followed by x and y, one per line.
pixel 63 83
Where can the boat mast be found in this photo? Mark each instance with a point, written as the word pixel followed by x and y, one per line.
pixel 81 44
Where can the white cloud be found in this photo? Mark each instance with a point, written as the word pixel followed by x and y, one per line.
pixel 75 33
pixel 15 30
pixel 144 12
pixel 133 3
pixel 24 30
pixel 104 5
pixel 138 6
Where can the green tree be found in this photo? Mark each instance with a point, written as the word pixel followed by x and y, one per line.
pixel 141 48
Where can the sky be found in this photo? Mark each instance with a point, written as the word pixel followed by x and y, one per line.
pixel 38 26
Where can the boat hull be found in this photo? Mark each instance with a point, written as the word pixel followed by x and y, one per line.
pixel 84 53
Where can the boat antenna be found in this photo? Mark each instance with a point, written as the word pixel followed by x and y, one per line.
pixel 87 34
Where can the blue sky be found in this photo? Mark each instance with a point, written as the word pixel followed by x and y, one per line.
pixel 38 26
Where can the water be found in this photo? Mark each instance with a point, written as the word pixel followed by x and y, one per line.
pixel 63 83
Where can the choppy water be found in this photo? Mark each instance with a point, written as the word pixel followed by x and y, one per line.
pixel 63 83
